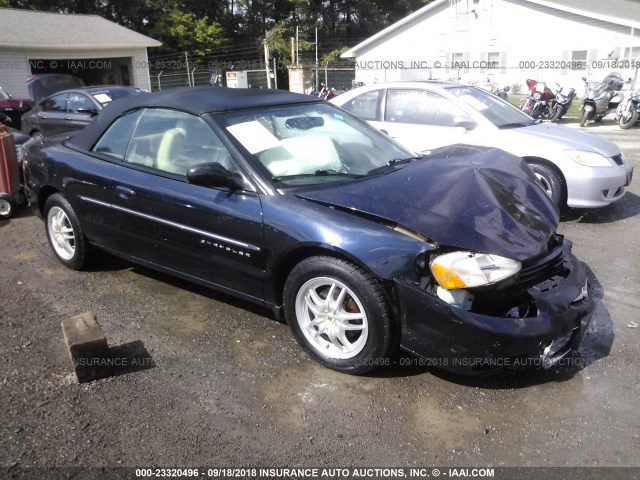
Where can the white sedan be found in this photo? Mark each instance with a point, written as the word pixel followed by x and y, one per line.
pixel 576 169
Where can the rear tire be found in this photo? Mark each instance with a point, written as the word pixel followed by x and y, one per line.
pixel 65 233
pixel 339 314
pixel 550 181
pixel 629 122
pixel 7 206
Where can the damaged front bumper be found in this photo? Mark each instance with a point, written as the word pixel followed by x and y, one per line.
pixel 462 340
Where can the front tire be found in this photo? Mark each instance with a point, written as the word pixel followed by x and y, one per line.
pixel 556 113
pixel 550 181
pixel 584 118
pixel 37 136
pixel 339 314
pixel 65 233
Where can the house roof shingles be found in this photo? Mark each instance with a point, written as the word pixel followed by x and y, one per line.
pixel 32 29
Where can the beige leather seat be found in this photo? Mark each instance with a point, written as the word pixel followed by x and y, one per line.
pixel 170 149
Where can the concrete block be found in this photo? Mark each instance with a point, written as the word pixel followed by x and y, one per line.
pixel 87 346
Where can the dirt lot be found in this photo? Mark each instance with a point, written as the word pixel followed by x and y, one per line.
pixel 219 382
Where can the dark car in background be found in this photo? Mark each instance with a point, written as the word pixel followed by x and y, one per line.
pixel 45 84
pixel 290 202
pixel 13 109
pixel 71 110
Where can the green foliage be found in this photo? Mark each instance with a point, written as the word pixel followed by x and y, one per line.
pixel 333 55
pixel 182 32
pixel 516 88
pixel 202 26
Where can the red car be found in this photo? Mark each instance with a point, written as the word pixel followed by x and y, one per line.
pixel 14 107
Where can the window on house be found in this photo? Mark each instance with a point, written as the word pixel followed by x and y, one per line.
pixel 578 60
pixel 632 53
pixel 457 59
pixel 493 60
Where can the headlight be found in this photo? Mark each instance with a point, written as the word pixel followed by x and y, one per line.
pixel 588 159
pixel 536 96
pixel 469 269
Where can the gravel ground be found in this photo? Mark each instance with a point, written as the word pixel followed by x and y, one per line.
pixel 219 382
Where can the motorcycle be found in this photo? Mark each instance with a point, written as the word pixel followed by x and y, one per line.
pixel 503 93
pixel 537 103
pixel 601 98
pixel 628 111
pixel 562 102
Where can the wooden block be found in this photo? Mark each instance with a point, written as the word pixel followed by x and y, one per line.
pixel 87 347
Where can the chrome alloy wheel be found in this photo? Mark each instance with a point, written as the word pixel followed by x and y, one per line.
pixel 61 234
pixel 332 318
pixel 544 183
pixel 5 207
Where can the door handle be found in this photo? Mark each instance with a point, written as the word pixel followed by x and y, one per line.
pixel 67 118
pixel 125 193
pixel 42 115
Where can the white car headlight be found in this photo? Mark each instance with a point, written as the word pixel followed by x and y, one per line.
pixel 588 159
pixel 470 269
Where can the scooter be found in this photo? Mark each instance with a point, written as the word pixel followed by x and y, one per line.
pixel 562 102
pixel 601 98
pixel 628 111
pixel 537 103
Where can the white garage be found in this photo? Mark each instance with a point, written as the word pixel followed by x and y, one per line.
pixel 89 46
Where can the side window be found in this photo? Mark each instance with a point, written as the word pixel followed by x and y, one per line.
pixel 115 140
pixel 56 104
pixel 173 142
pixel 78 102
pixel 420 107
pixel 365 106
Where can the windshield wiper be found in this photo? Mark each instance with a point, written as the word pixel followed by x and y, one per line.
pixel 516 125
pixel 317 173
pixel 391 164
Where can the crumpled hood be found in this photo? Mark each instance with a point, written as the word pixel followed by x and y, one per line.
pixel 568 138
pixel 472 198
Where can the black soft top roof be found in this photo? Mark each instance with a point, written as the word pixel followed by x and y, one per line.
pixel 194 100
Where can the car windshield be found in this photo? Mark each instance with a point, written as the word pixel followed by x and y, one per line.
pixel 497 111
pixel 313 143
pixel 4 95
pixel 106 95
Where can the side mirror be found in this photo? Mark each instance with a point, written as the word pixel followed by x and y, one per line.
pixel 213 174
pixel 91 111
pixel 465 122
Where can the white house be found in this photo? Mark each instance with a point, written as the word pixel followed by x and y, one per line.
pixel 506 41
pixel 89 46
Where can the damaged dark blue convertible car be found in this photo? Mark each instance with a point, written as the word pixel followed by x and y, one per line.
pixel 292 203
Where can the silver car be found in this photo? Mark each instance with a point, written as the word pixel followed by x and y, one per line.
pixel 575 168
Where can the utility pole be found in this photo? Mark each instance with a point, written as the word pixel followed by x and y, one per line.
pixel 297 48
pixel 293 51
pixel 317 66
pixel 275 74
pixel 266 63
pixel 186 59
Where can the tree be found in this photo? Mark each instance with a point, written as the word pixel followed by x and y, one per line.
pixel 182 32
